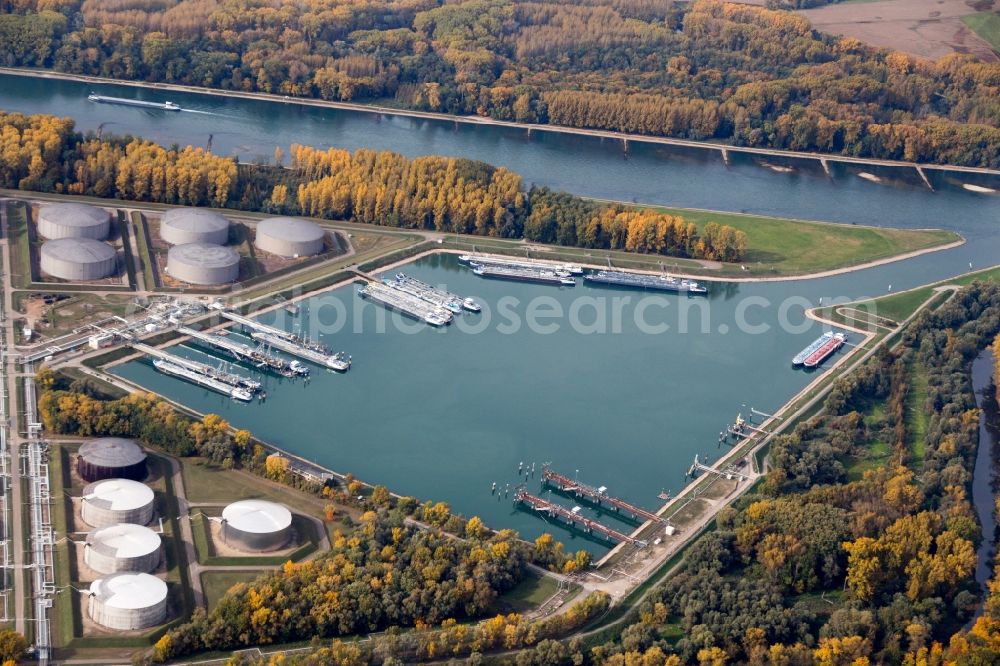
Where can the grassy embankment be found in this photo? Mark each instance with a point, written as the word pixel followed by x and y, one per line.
pixel 776 247
pixel 899 306
pixel 987 26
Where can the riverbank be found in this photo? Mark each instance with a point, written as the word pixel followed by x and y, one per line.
pixel 723 149
pixel 779 249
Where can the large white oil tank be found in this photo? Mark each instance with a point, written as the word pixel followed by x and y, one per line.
pixel 73 220
pixel 290 237
pixel 256 525
pixel 181 226
pixel 122 548
pixel 203 263
pixel 128 601
pixel 78 259
pixel 114 501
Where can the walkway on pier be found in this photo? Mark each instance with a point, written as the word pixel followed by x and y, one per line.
pixel 596 495
pixel 257 326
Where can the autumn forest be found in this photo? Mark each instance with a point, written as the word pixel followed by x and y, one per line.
pixel 709 70
pixel 43 153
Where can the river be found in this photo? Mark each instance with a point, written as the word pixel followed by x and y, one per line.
pixel 442 415
pixel 983 479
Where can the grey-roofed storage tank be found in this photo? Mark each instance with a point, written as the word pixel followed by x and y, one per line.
pixel 73 220
pixel 124 547
pixel 111 458
pixel 203 263
pixel 256 525
pixel 194 225
pixel 78 259
pixel 289 237
pixel 114 501
pixel 128 601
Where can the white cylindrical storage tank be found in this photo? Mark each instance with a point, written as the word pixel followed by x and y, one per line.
pixel 290 237
pixel 114 501
pixel 203 263
pixel 78 259
pixel 256 525
pixel 194 225
pixel 128 601
pixel 122 548
pixel 73 220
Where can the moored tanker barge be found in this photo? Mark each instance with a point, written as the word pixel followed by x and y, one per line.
pixel 799 358
pixel 205 381
pixel 643 281
pixel 523 275
pixel 835 342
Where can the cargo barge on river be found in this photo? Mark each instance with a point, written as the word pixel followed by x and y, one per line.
pixel 523 275
pixel 433 295
pixel 338 361
pixel 163 106
pixel 820 349
pixel 489 260
pixel 174 370
pixel 643 281
pixel 405 303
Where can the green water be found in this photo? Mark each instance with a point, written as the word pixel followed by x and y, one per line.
pixel 443 413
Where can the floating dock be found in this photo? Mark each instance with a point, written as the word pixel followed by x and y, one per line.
pixel 174 370
pixel 597 496
pixel 259 356
pixel 572 517
pixel 523 275
pixel 337 361
pixel 643 281
pixel 226 377
pixel 407 304
pixel 439 297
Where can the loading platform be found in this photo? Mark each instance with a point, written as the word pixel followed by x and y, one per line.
pixel 598 496
pixel 729 472
pixel 257 356
pixel 743 428
pixel 573 517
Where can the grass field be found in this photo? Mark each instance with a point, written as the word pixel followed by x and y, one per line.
pixel 145 256
pixel 987 26
pixel 791 247
pixel 20 243
pixel 215 584
pixel 916 415
pixel 529 593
